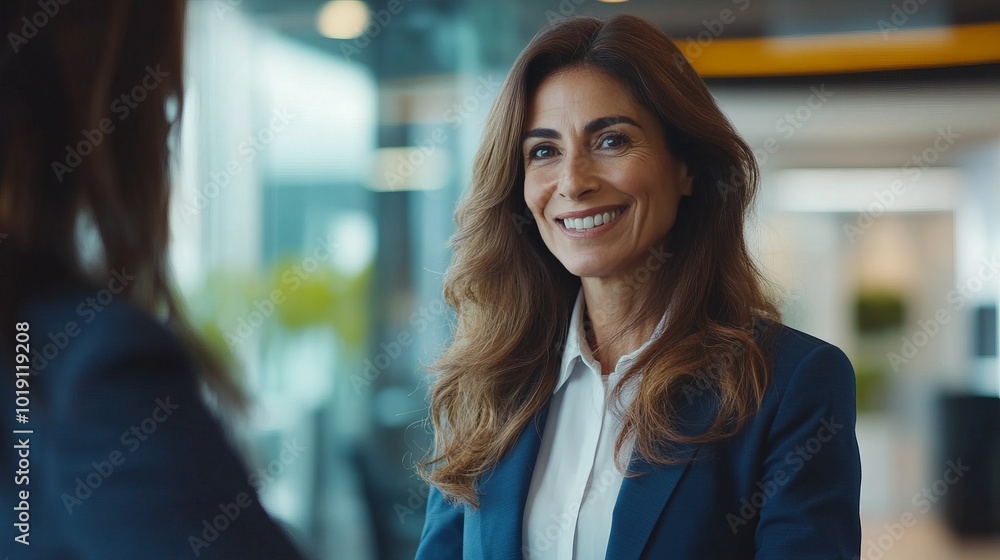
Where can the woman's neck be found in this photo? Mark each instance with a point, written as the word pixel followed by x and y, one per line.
pixel 607 306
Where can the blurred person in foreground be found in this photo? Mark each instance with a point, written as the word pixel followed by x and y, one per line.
pixel 619 384
pixel 123 459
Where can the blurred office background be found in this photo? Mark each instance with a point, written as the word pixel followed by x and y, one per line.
pixel 325 144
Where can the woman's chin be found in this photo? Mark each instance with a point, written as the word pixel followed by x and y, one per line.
pixel 591 269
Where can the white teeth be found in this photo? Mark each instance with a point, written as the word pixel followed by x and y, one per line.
pixel 589 222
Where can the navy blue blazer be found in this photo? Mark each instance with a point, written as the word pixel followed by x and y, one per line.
pixel 125 461
pixel 787 486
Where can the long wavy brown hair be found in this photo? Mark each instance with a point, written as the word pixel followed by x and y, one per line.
pixel 64 68
pixel 513 299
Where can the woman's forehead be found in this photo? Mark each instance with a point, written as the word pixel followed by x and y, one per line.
pixel 579 95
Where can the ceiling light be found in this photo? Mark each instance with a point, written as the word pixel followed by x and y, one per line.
pixel 342 19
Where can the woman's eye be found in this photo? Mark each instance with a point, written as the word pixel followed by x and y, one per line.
pixel 541 152
pixel 614 140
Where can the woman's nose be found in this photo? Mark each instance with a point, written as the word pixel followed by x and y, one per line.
pixel 578 177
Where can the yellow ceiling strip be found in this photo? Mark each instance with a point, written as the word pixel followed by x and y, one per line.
pixel 890 48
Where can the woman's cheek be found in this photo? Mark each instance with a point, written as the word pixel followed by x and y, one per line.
pixel 536 200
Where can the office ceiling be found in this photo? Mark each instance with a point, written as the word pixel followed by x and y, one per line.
pixel 876 119
pixel 430 37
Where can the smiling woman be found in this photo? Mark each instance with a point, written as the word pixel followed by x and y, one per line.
pixel 618 384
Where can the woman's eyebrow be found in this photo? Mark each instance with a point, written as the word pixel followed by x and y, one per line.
pixel 604 122
pixel 549 133
pixel 590 128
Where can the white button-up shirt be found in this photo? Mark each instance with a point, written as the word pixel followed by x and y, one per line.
pixel 575 483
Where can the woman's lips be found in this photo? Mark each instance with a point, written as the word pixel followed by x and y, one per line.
pixel 591 222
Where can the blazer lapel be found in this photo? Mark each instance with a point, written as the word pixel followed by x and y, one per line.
pixel 504 491
pixel 642 498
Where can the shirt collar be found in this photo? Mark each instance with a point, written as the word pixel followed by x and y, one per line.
pixel 577 348
pixel 576 343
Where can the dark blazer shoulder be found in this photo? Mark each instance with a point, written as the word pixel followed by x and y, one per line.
pixel 89 329
pixel 794 354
